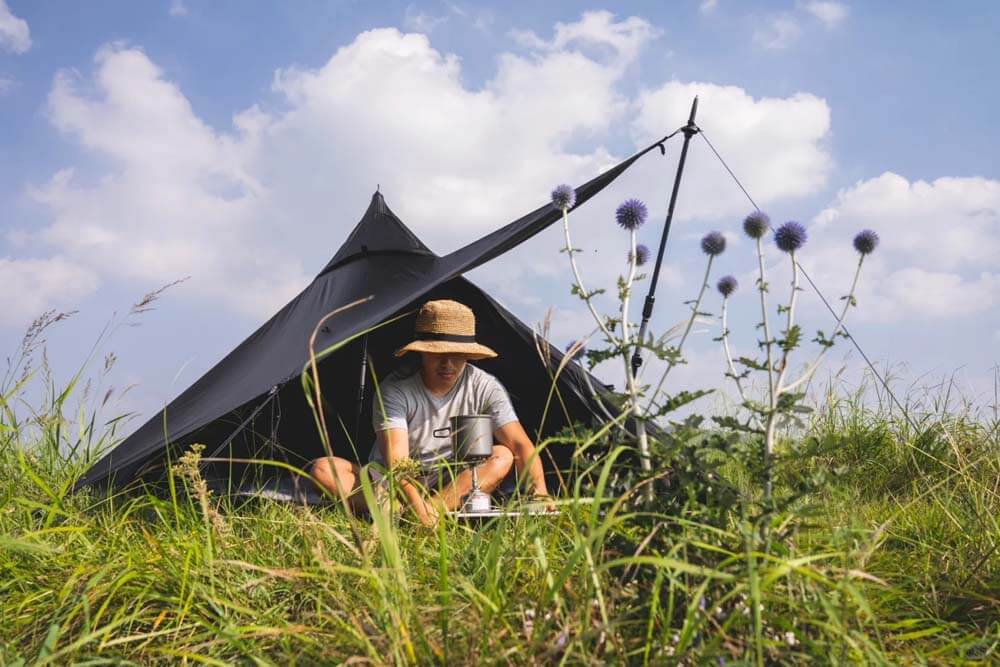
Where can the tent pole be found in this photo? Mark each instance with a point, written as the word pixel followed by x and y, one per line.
pixel 361 389
pixel 689 131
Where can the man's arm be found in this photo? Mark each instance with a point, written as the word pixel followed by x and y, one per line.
pixel 513 436
pixel 395 444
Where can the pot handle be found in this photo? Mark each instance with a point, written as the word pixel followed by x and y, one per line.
pixel 442 432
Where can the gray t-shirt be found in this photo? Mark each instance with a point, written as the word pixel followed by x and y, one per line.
pixel 408 404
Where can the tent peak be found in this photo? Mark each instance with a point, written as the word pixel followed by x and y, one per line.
pixel 378 231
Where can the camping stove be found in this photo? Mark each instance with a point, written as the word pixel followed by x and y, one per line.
pixel 477 500
pixel 472 443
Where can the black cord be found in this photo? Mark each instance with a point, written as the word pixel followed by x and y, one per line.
pixel 702 133
pixel 826 303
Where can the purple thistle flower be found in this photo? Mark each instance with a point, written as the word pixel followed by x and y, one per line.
pixel 790 236
pixel 579 354
pixel 641 255
pixel 564 197
pixel 756 224
pixel 631 214
pixel 713 244
pixel 726 285
pixel 866 241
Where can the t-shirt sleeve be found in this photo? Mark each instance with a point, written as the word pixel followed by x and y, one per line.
pixel 391 413
pixel 496 403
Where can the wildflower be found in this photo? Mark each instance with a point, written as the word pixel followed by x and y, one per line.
pixel 790 236
pixel 563 197
pixel 866 241
pixel 641 255
pixel 727 285
pixel 631 214
pixel 713 244
pixel 790 638
pixel 755 225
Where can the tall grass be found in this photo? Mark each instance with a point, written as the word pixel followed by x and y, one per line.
pixel 893 557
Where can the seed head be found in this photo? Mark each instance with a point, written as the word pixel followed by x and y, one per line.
pixel 631 214
pixel 790 236
pixel 563 197
pixel 713 244
pixel 866 241
pixel 641 255
pixel 726 285
pixel 755 225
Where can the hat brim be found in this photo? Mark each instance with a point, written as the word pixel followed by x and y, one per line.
pixel 473 350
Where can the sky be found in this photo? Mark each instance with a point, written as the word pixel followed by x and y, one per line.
pixel 234 145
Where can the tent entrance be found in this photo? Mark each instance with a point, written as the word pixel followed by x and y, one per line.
pixel 285 428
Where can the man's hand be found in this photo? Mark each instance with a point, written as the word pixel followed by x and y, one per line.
pixel 395 444
pixel 545 500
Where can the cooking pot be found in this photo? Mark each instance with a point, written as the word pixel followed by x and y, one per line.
pixel 471 436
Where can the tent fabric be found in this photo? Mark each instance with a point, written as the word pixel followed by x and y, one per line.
pixel 247 401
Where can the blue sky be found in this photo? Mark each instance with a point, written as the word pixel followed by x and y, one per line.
pixel 238 143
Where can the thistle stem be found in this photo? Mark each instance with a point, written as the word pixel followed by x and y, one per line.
pixel 729 355
pixel 772 415
pixel 848 300
pixel 633 388
pixel 762 288
pixel 584 294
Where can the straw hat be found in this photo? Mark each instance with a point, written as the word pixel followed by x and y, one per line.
pixel 446 327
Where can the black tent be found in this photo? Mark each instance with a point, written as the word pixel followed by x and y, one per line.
pixel 252 406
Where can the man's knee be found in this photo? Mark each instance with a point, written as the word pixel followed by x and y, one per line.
pixel 503 459
pixel 331 471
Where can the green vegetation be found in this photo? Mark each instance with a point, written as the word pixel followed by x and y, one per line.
pixel 884 548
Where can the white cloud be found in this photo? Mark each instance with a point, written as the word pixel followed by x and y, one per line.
pixel 832 14
pixel 939 244
pixel 6 85
pixel 179 202
pixel 15 35
pixel 940 294
pixel 597 30
pixel 178 8
pixel 708 6
pixel 778 146
pixel 949 223
pixel 779 32
pixel 31 286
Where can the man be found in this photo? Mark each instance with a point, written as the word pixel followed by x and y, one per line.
pixel 414 405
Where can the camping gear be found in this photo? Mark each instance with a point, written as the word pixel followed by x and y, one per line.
pixel 471 444
pixel 251 408
pixel 471 437
pixel 689 131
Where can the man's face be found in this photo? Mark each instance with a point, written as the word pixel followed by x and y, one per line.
pixel 444 368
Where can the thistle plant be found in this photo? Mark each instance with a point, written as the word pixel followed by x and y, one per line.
pixel 630 216
pixel 784 395
pixel 619 332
